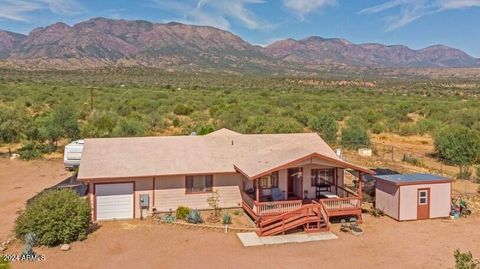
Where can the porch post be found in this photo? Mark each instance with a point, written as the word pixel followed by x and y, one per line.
pixel 257 190
pixel 359 189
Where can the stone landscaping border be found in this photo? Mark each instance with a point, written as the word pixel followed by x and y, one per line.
pixel 206 226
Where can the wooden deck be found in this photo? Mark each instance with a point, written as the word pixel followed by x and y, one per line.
pixel 280 216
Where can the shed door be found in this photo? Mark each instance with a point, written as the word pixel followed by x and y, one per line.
pixel 114 201
pixel 423 204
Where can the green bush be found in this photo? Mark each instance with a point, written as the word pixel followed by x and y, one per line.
pixel 465 260
pixel 478 174
pixel 458 144
pixel 378 128
pixel 181 109
pixel 55 217
pixel 4 264
pixel 130 127
pixel 464 173
pixel 326 126
pixel 355 137
pixel 35 150
pixel 411 160
pixel 182 212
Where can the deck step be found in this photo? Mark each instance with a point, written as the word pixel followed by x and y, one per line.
pixel 281 227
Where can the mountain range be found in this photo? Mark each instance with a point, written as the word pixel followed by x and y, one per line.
pixel 101 42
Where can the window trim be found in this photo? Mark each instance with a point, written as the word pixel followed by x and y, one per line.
pixel 271 186
pixel 316 179
pixel 198 192
pixel 420 197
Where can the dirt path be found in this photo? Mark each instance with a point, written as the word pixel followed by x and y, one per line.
pixel 20 181
pixel 385 244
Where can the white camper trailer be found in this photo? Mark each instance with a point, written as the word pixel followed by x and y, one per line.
pixel 73 154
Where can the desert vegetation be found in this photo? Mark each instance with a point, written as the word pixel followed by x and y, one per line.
pixel 42 108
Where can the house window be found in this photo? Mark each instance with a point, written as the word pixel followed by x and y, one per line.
pixel 269 181
pixel 322 176
pixel 199 183
pixel 423 197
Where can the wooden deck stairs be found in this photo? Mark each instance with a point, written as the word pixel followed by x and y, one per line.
pixel 311 217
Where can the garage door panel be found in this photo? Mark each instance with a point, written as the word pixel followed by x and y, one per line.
pixel 114 201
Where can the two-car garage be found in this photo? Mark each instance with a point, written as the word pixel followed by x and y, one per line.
pixel 114 201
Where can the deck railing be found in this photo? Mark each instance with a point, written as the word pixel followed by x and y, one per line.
pixel 339 204
pixel 277 207
pixel 344 192
pixel 247 199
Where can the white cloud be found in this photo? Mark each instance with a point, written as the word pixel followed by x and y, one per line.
pixel 216 13
pixel 19 10
pixel 304 7
pixel 411 10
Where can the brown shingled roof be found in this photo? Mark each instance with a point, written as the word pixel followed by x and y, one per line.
pixel 223 151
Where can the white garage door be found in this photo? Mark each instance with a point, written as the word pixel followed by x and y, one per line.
pixel 114 201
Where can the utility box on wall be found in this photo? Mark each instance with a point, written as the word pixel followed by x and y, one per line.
pixel 144 201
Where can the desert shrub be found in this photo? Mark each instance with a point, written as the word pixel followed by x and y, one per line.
pixel 237 212
pixel 55 217
pixel 465 260
pixel 354 137
pixel 377 128
pixel 4 263
pixel 182 212
pixel 34 150
pixel 61 122
pixel 181 109
pixel 459 145
pixel 464 173
pixel 194 217
pixel 411 160
pixel 130 127
pixel 12 123
pixel 272 125
pixel 478 174
pixel 326 126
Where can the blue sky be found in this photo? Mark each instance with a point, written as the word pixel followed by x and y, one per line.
pixel 415 23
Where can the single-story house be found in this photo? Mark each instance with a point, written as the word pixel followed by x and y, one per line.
pixel 413 196
pixel 269 175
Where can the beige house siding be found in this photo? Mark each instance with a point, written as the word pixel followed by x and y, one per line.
pixel 170 192
pixel 440 195
pixel 386 198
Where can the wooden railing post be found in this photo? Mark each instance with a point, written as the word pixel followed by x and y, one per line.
pixel 360 191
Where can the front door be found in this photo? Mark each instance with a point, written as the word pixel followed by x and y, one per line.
pixel 292 176
pixel 423 204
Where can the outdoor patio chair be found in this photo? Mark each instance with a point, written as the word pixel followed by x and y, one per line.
pixel 277 194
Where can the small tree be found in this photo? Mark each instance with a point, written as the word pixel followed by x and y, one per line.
pixel 354 137
pixel 55 217
pixel 214 202
pixel 459 145
pixel 61 122
pixel 326 126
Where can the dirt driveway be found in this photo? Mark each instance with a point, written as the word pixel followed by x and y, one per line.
pixel 19 181
pixel 385 244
